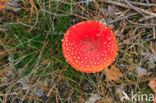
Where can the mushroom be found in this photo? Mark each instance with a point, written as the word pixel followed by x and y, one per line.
pixel 89 46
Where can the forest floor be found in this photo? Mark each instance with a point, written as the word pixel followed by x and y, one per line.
pixel 34 70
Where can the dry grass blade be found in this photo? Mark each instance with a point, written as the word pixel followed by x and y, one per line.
pixel 113 74
pixel 8 5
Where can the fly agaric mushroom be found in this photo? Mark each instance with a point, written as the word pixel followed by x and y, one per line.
pixel 89 46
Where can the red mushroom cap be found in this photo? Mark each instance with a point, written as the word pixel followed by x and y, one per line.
pixel 89 46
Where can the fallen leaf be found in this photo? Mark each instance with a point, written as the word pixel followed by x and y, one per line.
pixel 113 74
pixel 152 85
pixel 3 71
pixel 141 71
pixel 154 9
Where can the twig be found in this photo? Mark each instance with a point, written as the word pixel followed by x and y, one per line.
pixel 148 12
pixel 133 7
pixel 124 17
pixel 146 18
pixel 75 3
pixel 141 4
pixel 116 3
pixel 126 6
pixel 145 25
pixel 154 33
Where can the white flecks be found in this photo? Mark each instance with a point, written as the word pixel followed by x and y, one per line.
pixel 87 66
pixel 98 34
pixel 85 58
pixel 96 55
